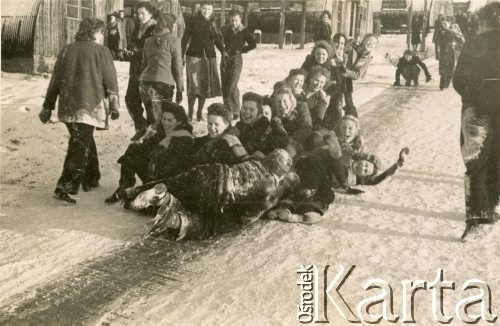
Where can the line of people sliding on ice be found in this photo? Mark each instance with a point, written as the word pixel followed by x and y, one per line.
pixel 281 160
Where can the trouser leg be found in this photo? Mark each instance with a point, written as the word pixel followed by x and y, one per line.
pixel 398 76
pixel 153 94
pixel 135 161
pixel 92 173
pixel 350 109
pixel 334 112
pixel 233 69
pixel 134 103
pixel 414 74
pixel 77 157
pixel 476 146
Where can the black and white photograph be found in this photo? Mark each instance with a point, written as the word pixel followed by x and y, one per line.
pixel 250 162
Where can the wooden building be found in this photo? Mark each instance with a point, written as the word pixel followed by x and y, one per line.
pixel 41 28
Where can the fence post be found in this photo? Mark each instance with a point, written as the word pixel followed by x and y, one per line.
pixel 303 25
pixel 282 24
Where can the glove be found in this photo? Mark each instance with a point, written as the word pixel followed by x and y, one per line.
pixel 353 191
pixel 114 105
pixel 178 97
pixel 405 151
pixel 45 115
pixel 427 78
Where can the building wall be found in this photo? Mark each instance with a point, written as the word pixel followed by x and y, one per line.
pixel 54 30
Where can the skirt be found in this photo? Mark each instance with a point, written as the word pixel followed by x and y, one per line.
pixel 202 77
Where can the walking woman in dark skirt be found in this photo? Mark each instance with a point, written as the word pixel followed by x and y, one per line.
pixel 477 80
pixel 198 48
pixel 84 78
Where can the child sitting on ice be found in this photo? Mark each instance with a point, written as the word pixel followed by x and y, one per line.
pixel 408 67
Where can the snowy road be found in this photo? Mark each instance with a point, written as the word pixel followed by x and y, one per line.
pixel 88 264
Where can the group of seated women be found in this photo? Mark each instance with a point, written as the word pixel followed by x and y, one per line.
pixel 282 160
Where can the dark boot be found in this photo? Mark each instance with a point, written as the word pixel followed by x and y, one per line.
pixel 117 196
pixel 64 196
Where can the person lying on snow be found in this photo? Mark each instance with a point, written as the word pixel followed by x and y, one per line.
pixel 215 197
pixel 319 172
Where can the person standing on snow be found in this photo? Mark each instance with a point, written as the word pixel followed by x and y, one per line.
pixel 84 78
pixel 477 80
pixel 237 40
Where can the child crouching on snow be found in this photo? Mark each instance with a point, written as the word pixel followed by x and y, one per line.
pixel 408 68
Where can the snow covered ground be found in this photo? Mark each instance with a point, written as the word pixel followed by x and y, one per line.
pixel 88 263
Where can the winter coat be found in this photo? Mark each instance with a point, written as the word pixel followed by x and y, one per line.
pixel 130 25
pixel 262 136
pixel 113 36
pixel 202 36
pixel 239 40
pixel 403 63
pixel 226 149
pixel 447 52
pixel 322 32
pixel 298 123
pixel 357 66
pixel 317 104
pixel 161 60
pixel 139 40
pixel 122 31
pixel 477 76
pixel 159 156
pixel 84 76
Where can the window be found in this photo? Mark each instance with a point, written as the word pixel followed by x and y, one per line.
pixel 79 9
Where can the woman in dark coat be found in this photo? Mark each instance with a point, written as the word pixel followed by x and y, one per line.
pixel 323 29
pixel 113 35
pixel 416 29
pixel 198 46
pixel 258 134
pixel 477 80
pixel 158 152
pixel 145 13
pixel 161 68
pixel 446 54
pixel 219 145
pixel 84 78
